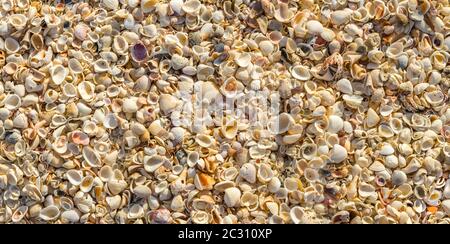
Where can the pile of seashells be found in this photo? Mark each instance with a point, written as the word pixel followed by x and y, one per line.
pixel 228 111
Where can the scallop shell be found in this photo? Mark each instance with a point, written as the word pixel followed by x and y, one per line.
pixel 338 154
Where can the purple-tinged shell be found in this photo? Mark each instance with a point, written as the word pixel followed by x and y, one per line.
pixel 139 52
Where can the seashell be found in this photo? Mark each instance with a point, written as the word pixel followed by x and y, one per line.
pixel 74 176
pixel 152 163
pixel 70 216
pixel 340 17
pixel 81 31
pixel 314 27
pixel 204 182
pixel 191 6
pixel 300 72
pixel 232 197
pixel 12 102
pixel 142 191
pixel 19 214
pixel 110 121
pixel 49 213
pixel 248 172
pixel 344 86
pixel 372 118
pixel 386 150
pixel 446 206
pixel 230 129
pixel 398 177
pixel 130 105
pixel 167 103
pixel 20 121
pixel 113 202
pixel 204 140
pixel 296 214
pixel 75 66
pixel 243 59
pixel 280 124
pixel 335 124
pixel 338 154
pixel 139 52
pixel 19 21
pixel 86 90
pixel 91 157
pixel 87 183
pixel 265 173
pixel 111 4
pixel 11 45
pixel 434 98
pixel 106 173
pixel 136 211
pixel 266 47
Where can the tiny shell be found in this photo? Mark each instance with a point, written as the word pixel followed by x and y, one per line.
pixel 152 163
pixel 232 197
pixel 49 213
pixel 248 172
pixel 338 154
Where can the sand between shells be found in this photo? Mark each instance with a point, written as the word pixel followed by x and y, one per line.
pixel 236 111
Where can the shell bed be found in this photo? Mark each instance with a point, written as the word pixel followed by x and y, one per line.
pixel 228 111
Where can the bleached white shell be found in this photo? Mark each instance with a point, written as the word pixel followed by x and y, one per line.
pixel 314 27
pixel 111 4
pixel 338 153
pixel 232 197
pixel 71 216
pixel 335 124
pixel 91 157
pixel 280 124
pixel 49 213
pixel 300 72
pixel 248 172
pixel 387 149
pixel 152 163
pixel 74 176
pixel 58 74
pixel 167 103
pixel 344 86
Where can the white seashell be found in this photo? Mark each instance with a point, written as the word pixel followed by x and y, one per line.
pixel 391 161
pixel 344 86
pixel 91 157
pixel 446 206
pixel 142 191
pixel 232 197
pixel 398 177
pixel 340 17
pixel 274 185
pixel 11 45
pixel 372 118
pixel 106 173
pixel 203 140
pixel 86 90
pixel 266 47
pixel 74 176
pixel 192 6
pixel 58 74
pixel 192 159
pixel 113 202
pixel 19 214
pixel 265 173
pixel 20 121
pixel 335 124
pixel 243 59
pixel 176 6
pixel 300 72
pixel 12 102
pixel 49 213
pixel 111 4
pixel 387 149
pixel 70 216
pixel 167 103
pixel 314 27
pixel 110 121
pixel 338 154
pixel 130 105
pixel 152 163
pixel 377 166
pixel 248 172
pixel 296 214
pixel 280 124
pixel 136 211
